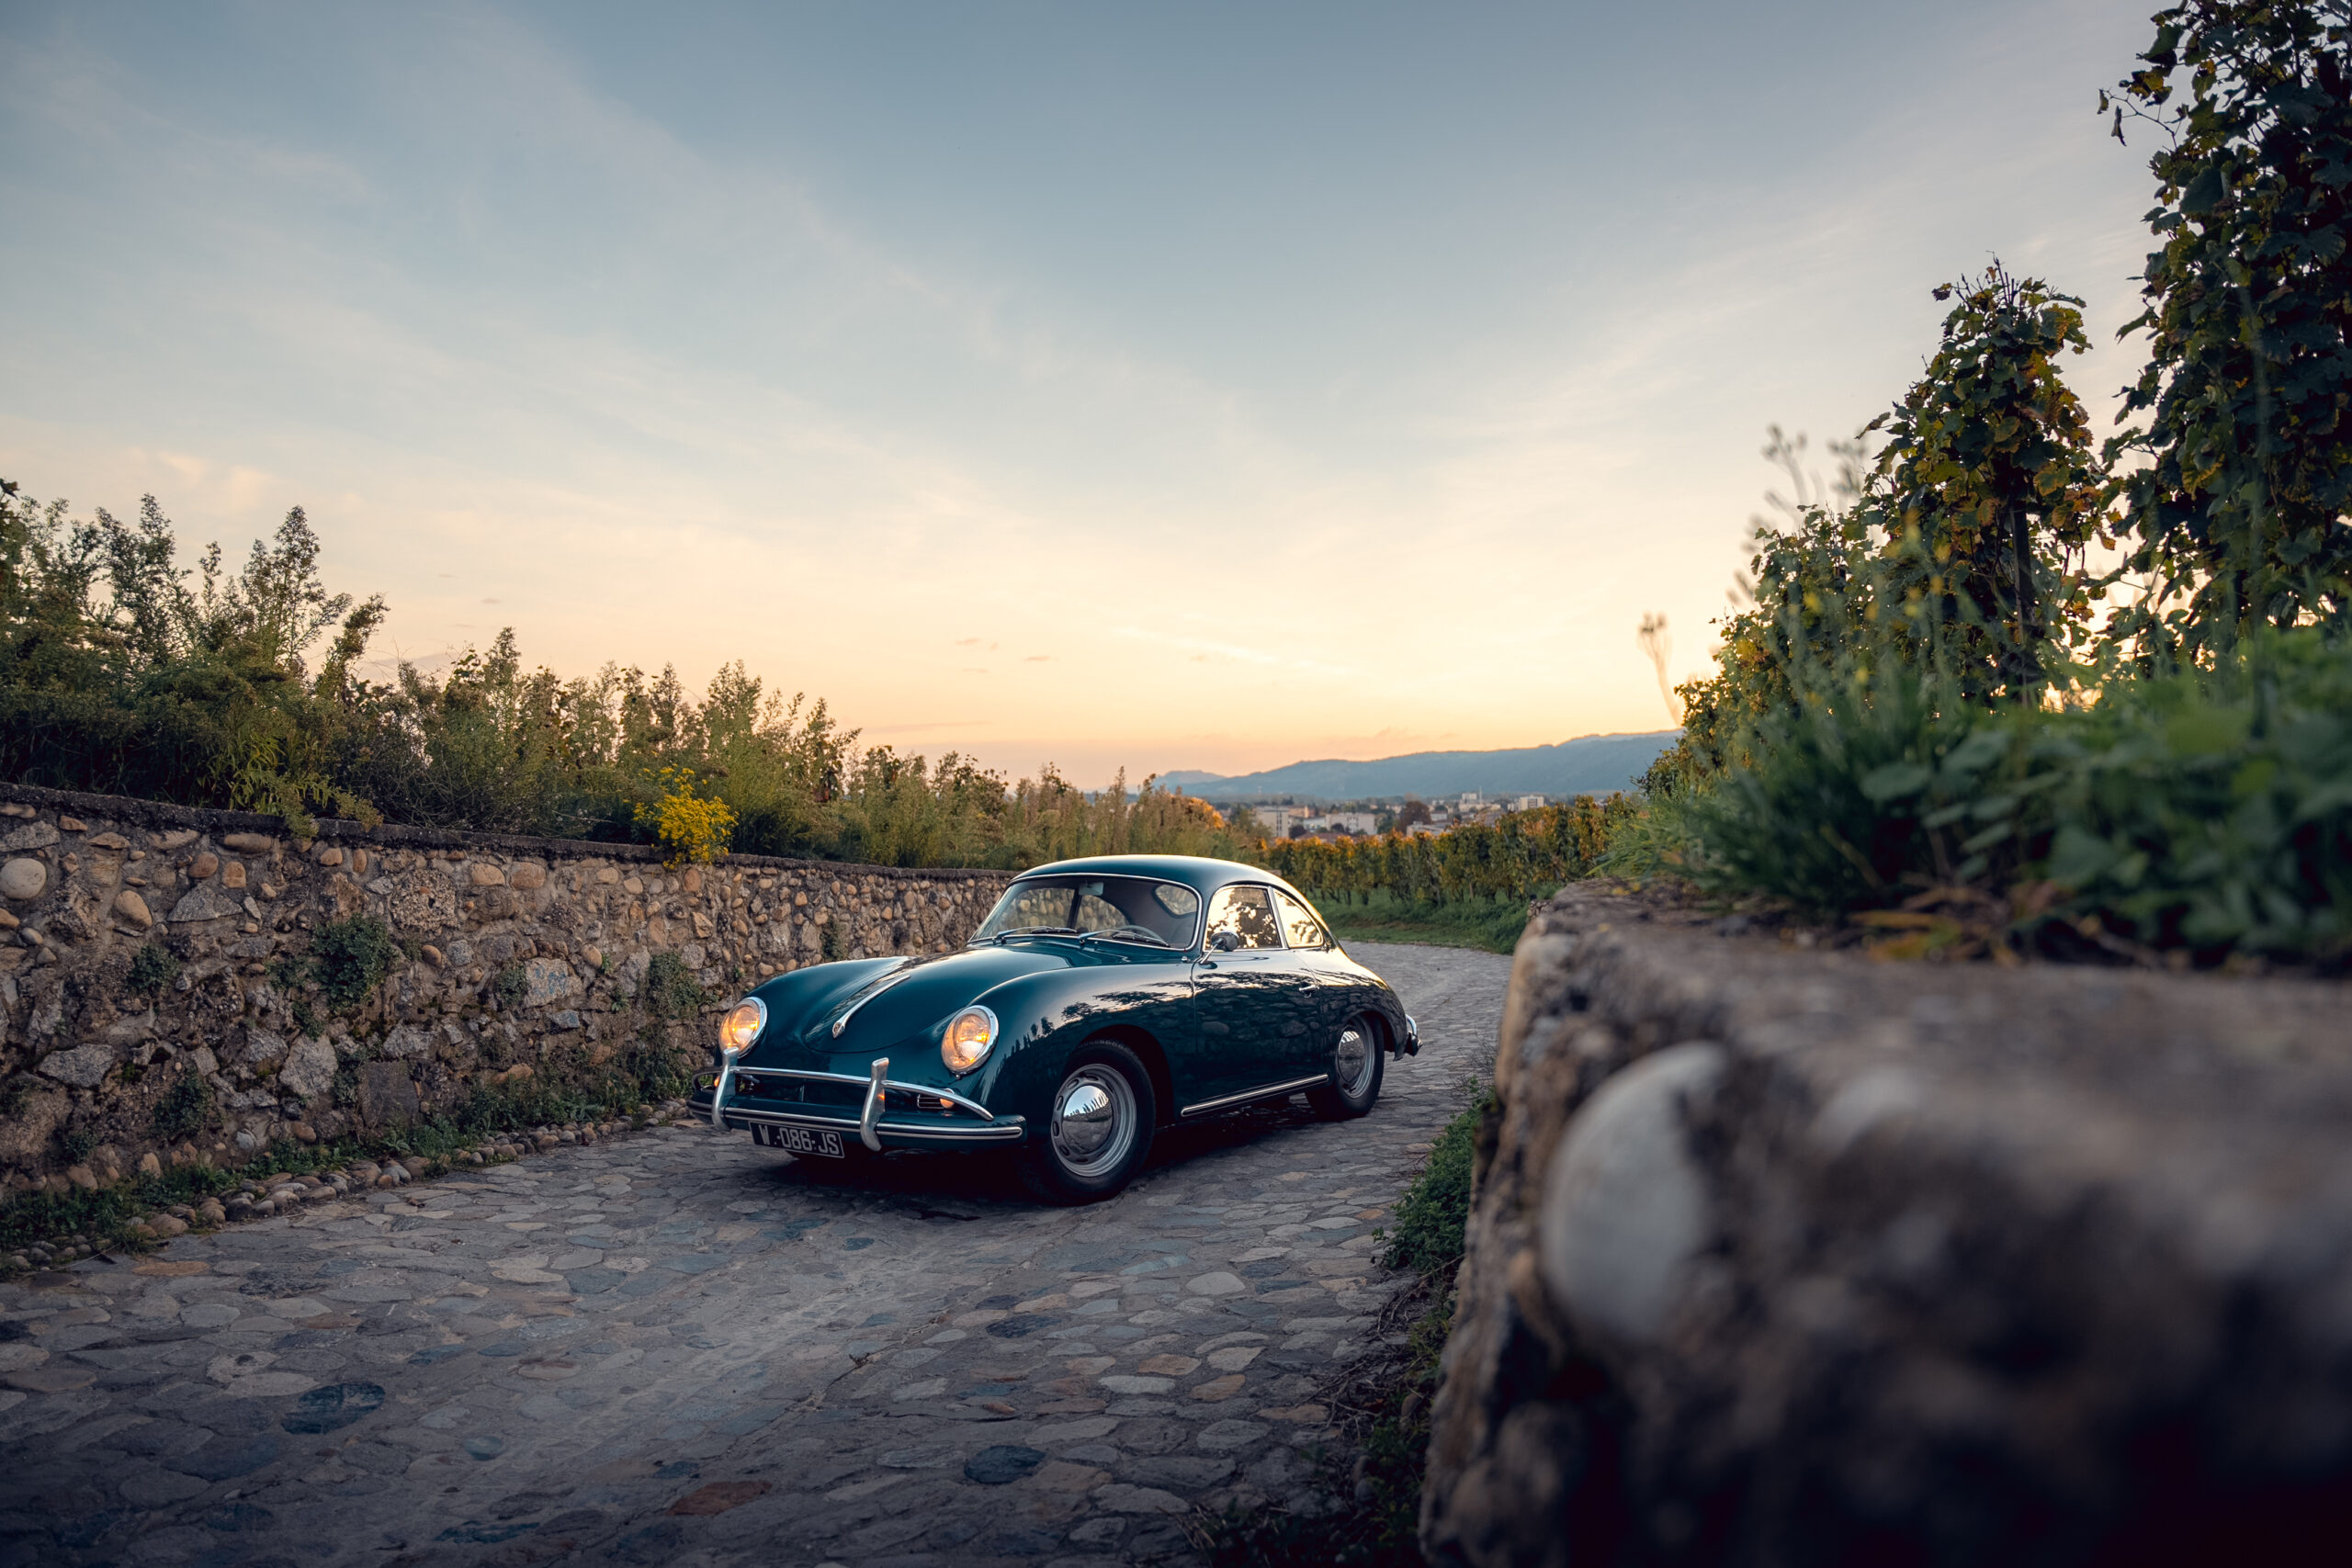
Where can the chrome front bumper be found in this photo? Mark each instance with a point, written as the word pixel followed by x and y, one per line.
pixel 966 1125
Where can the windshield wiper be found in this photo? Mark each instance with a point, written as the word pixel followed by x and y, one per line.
pixel 1134 936
pixel 1035 931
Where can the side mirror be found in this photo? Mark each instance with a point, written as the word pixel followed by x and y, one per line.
pixel 1225 941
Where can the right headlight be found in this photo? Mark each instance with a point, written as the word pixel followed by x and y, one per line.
pixel 971 1034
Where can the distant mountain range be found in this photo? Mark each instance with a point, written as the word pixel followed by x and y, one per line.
pixel 1589 765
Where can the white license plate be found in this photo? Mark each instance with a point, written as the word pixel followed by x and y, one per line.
pixel 797 1140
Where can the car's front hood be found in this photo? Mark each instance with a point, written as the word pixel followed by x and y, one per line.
pixel 923 993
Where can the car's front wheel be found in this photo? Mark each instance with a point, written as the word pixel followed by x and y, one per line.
pixel 1355 1072
pixel 1098 1127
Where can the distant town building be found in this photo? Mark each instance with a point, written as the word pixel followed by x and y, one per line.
pixel 1276 821
pixel 1527 803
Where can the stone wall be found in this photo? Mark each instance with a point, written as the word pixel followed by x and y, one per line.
pixel 517 956
pixel 1781 1257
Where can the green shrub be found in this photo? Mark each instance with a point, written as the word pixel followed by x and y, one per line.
pixel 184 1108
pixel 509 986
pixel 349 958
pixel 153 967
pixel 671 990
pixel 2209 809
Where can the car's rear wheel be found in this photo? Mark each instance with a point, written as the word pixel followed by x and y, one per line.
pixel 1355 1070
pixel 1098 1127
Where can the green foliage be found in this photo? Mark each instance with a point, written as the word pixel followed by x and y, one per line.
pixel 185 1109
pixel 119 676
pixel 1858 795
pixel 1987 491
pixel 1523 855
pixel 671 990
pixel 152 968
pixel 2206 810
pixel 509 986
pixel 2210 809
pixel 1427 1235
pixel 1961 545
pixel 1490 925
pixel 2240 510
pixel 350 957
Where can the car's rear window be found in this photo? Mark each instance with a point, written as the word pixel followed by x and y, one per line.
pixel 1137 909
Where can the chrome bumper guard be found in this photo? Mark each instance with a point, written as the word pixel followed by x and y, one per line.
pixel 1410 1045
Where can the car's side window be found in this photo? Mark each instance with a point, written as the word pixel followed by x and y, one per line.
pixel 1248 914
pixel 1299 923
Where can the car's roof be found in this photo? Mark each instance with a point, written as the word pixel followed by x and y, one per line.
pixel 1193 871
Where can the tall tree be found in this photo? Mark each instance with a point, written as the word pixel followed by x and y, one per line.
pixel 2240 511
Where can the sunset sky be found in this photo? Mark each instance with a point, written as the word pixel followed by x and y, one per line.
pixel 1177 387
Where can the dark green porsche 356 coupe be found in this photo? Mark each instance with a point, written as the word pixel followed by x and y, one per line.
pixel 1100 1001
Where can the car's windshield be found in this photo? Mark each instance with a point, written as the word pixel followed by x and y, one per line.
pixel 1116 909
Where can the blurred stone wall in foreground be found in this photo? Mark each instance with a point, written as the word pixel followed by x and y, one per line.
pixel 1789 1258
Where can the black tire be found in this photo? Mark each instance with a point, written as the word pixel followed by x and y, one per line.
pixel 1356 1068
pixel 1077 1161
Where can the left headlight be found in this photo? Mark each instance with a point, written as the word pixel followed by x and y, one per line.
pixel 971 1034
pixel 742 1026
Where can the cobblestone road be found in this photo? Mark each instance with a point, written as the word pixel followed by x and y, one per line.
pixel 675 1349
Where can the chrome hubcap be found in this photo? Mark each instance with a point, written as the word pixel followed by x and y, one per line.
pixel 1352 1061
pixel 1094 1120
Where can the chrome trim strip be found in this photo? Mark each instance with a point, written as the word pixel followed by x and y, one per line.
pixel 1266 1093
pixel 883 984
pixel 754 1075
pixel 873 1106
pixel 741 1119
pixel 718 1090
